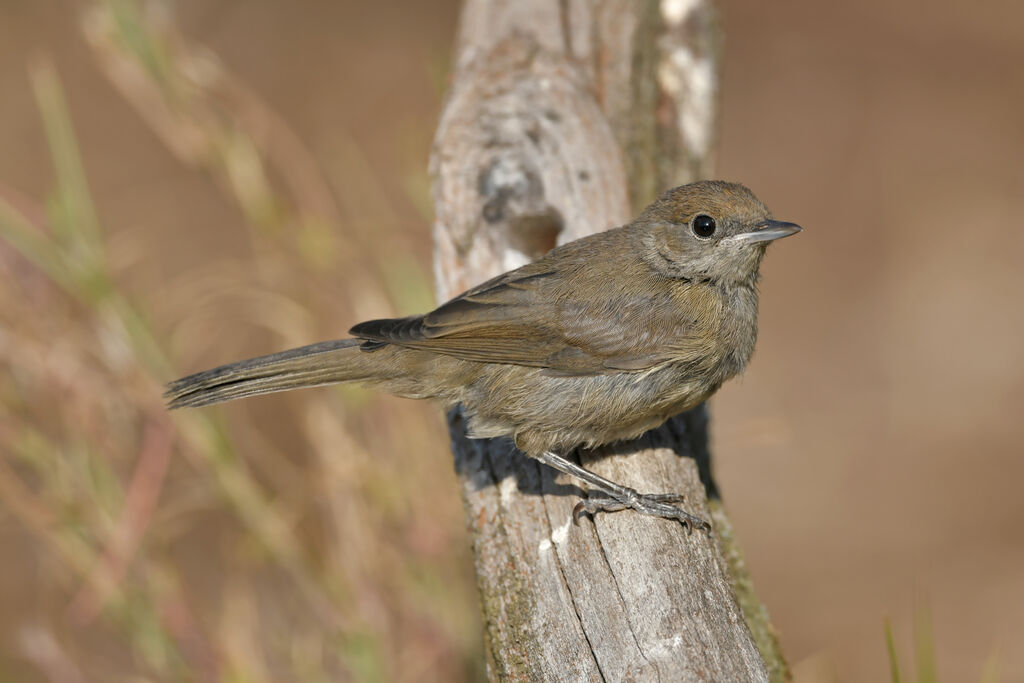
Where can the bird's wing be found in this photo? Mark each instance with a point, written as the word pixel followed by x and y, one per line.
pixel 532 317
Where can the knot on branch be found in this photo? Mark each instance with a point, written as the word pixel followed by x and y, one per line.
pixel 513 193
pixel 524 159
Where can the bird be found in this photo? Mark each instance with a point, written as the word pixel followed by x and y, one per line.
pixel 598 341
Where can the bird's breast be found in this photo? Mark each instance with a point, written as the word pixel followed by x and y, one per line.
pixel 738 330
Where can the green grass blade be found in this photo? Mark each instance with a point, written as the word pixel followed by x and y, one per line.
pixel 75 220
pixel 894 661
pixel 990 672
pixel 924 647
pixel 34 244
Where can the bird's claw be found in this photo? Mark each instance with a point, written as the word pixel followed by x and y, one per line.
pixel 654 504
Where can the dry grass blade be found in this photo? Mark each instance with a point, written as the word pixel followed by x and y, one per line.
pixel 324 556
pixel 209 120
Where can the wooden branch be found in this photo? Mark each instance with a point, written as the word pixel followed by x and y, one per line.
pixel 556 119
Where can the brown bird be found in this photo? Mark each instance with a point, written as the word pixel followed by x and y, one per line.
pixel 599 341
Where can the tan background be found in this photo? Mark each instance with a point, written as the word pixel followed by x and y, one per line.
pixel 870 457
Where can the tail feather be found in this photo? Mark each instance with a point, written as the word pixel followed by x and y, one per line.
pixel 307 366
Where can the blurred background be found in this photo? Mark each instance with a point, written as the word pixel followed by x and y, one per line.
pixel 192 182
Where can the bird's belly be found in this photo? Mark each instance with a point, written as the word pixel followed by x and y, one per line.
pixel 560 413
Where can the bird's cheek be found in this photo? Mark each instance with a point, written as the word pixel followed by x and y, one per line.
pixel 674 245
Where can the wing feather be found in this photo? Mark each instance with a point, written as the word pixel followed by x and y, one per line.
pixel 538 316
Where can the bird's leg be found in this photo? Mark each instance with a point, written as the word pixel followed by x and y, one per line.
pixel 621 497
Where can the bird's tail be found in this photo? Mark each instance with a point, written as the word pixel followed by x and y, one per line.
pixel 307 366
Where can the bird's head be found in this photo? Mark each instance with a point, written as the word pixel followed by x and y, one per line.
pixel 710 231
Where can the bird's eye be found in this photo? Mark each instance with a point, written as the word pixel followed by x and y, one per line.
pixel 703 226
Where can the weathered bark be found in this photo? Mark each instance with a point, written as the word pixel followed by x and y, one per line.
pixel 563 119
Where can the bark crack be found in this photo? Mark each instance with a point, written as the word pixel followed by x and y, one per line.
pixel 622 601
pixel 563 17
pixel 565 581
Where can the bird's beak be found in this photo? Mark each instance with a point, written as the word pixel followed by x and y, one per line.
pixel 768 231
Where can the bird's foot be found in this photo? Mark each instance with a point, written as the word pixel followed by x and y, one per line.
pixel 654 504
